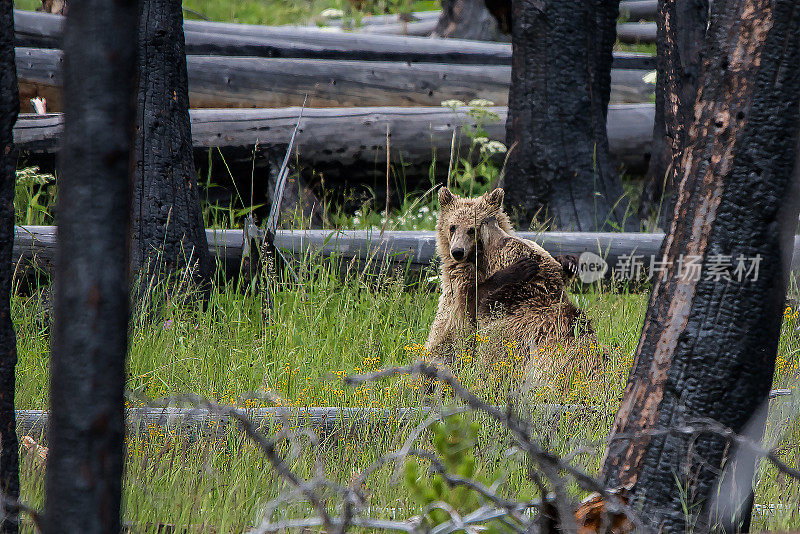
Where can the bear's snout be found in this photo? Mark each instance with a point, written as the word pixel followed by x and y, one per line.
pixel 457 253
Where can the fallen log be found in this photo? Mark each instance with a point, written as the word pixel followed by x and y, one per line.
pixel 248 82
pixel 422 28
pixel 195 423
pixel 637 32
pixel 633 10
pixel 638 10
pixel 414 249
pixel 379 20
pixel 348 137
pixel 41 30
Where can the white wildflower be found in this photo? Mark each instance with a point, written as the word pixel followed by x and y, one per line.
pixel 453 104
pixel 332 13
pixel 480 103
pixel 493 147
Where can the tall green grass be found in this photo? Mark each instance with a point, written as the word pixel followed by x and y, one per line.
pixel 274 12
pixel 343 322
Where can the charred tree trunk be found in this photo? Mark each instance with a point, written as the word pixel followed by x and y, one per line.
pixel 679 46
pixel 9 109
pixel 89 344
pixel 709 340
pixel 168 232
pixel 560 169
pixel 467 19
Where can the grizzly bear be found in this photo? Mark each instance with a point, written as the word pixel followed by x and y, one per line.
pixel 532 304
pixel 462 268
pixel 497 283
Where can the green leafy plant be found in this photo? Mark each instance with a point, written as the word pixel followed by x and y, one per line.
pixel 34 197
pixel 478 170
pixel 454 440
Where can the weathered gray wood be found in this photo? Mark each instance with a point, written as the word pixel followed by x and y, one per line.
pixel 379 20
pixel 200 422
pixel 421 28
pixel 638 10
pixel 637 32
pixel 352 136
pixel 249 82
pixel 197 422
pixel 39 73
pixel 217 38
pixel 413 248
pixel 630 10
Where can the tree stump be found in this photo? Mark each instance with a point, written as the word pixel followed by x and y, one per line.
pixel 467 19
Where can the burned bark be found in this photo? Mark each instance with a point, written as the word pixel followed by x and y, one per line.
pixel 679 45
pixel 9 109
pixel 89 343
pixel 167 231
pixel 560 169
pixel 709 341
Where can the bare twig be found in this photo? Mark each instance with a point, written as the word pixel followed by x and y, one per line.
pixel 704 425
pixel 269 448
pixel 550 464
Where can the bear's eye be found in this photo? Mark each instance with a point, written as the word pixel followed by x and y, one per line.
pixel 471 232
pixel 453 229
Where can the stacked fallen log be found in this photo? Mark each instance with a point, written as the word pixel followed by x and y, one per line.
pixel 197 423
pixel 349 137
pixel 41 30
pixel 250 82
pixel 366 21
pixel 633 33
pixel 413 249
pixel 637 10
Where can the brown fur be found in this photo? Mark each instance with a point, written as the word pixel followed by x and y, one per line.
pixel 457 229
pixel 510 289
pixel 57 7
pixel 531 311
pixel 535 308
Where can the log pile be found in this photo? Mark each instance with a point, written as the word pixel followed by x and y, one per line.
pixel 352 137
pixel 368 75
pixel 40 30
pixel 254 82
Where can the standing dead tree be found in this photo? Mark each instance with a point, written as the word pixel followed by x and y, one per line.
pixel 679 45
pixel 168 232
pixel 9 109
pixel 710 337
pixel 89 343
pixel 559 169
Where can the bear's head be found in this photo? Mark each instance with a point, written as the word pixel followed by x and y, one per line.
pixel 460 220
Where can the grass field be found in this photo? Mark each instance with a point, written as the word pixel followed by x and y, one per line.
pixel 273 12
pixel 344 325
pixel 340 324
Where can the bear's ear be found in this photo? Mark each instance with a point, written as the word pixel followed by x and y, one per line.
pixel 495 197
pixel 445 197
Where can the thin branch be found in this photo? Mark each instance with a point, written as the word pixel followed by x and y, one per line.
pixel 269 448
pixel 549 463
pixel 704 425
